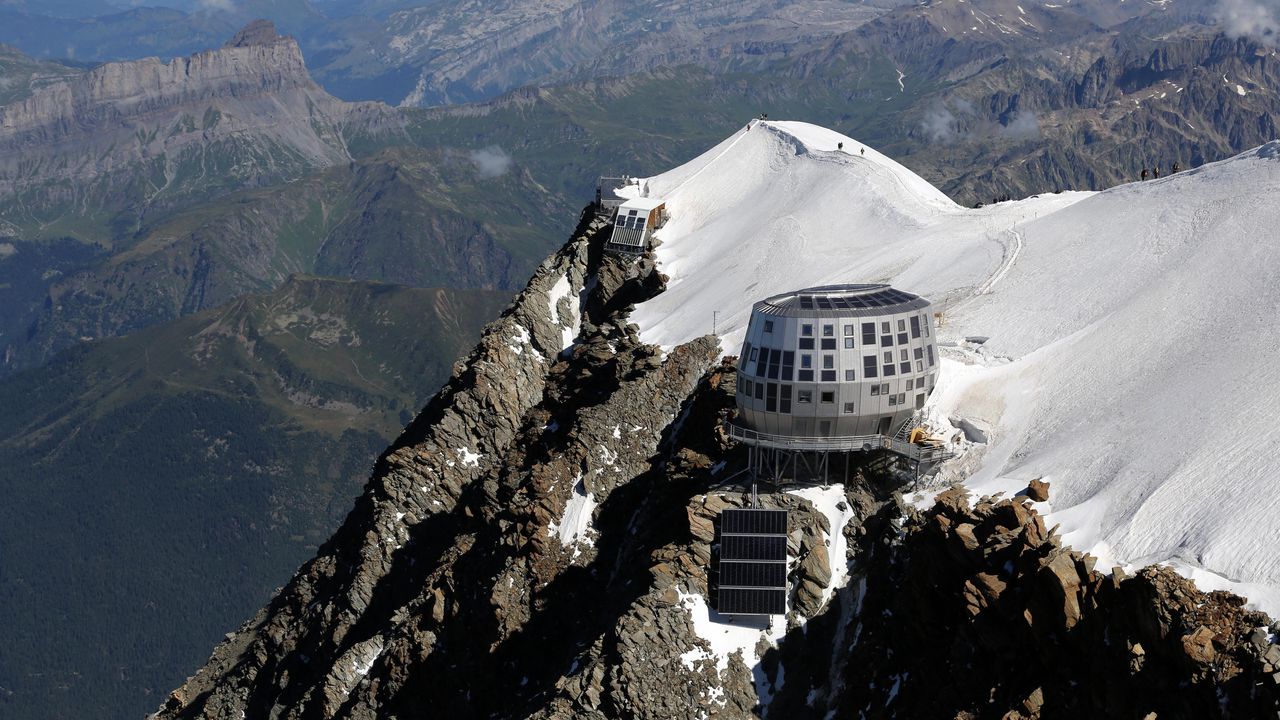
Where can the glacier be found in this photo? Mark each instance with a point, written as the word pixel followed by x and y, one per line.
pixel 1129 334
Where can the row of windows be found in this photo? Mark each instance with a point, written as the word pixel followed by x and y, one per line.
pixel 777 397
pixel 777 364
pixel 868 330
pixel 754 388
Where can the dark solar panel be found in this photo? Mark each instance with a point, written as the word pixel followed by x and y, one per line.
pixel 752 601
pixel 753 522
pixel 753 547
pixel 753 562
pixel 753 574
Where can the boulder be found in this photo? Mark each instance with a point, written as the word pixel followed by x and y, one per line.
pixel 1199 645
pixel 1038 490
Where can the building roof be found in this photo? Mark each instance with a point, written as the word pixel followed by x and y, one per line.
pixel 642 203
pixel 841 301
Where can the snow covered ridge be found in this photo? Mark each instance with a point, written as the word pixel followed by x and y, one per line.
pixel 1130 333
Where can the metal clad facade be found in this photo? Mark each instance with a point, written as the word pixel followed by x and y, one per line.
pixel 837 361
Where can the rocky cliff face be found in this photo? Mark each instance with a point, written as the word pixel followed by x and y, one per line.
pixel 151 131
pixel 540 543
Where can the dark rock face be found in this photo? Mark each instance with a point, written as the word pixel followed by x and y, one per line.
pixel 1016 626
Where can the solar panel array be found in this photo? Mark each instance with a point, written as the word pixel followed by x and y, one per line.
pixel 882 298
pixel 753 562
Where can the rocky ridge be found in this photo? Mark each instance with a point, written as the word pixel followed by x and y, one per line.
pixel 539 543
pixel 982 612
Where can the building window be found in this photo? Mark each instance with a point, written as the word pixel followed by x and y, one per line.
pixel 893 400
pixel 910 384
pixel 828 330
pixel 828 361
pixel 746 388
pixel 753 353
pixel 804 376
pixel 868 333
pixel 804 396
pixel 775 357
pixel 806 330
pixel 884 388
pixel 848 376
pixel 915 326
pixel 848 408
pixel 768 326
pixel 875 391
pixel 929 349
pixel 784 403
pixel 888 370
pixel 919 366
pixel 919 353
pixel 904 368
pixel 902 398
pixel 771 398
pixel 759 391
pixel 926 329
pixel 828 376
pixel 788 364
pixel 902 338
pixel 884 328
pixel 886 341
pixel 828 396
pixel 903 355
pixel 848 330
pixel 806 343
pixel 888 356
pixel 869 366
pixel 806 361
pixel 848 343
pixel 828 343
pixel 902 326
pixel 919 401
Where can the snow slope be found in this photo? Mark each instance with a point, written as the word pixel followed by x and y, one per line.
pixel 1131 332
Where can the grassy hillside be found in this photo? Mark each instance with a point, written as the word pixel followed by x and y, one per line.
pixel 158 486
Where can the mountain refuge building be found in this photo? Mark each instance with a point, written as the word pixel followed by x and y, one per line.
pixel 635 222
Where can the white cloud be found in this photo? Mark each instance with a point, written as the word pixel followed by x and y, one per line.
pixel 940 124
pixel 491 161
pixel 1258 19
pixel 1023 126
pixel 223 5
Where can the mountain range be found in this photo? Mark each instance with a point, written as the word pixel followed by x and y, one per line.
pixel 146 196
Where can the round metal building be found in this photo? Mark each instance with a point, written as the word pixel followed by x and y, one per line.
pixel 844 363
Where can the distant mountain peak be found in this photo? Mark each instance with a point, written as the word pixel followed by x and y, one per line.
pixel 258 32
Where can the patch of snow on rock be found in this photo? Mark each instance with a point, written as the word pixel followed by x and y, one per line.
pixel 574 528
pixel 827 501
pixel 466 457
pixel 569 326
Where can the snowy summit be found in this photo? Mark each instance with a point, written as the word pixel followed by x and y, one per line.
pixel 1119 344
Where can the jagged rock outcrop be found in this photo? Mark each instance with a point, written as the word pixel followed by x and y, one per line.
pixel 544 529
pixel 981 612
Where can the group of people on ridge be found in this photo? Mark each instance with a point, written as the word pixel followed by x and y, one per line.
pixel 1156 171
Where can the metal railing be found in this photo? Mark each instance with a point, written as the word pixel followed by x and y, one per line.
pixel 848 443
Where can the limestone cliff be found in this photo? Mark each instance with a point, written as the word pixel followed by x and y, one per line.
pixel 243 114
